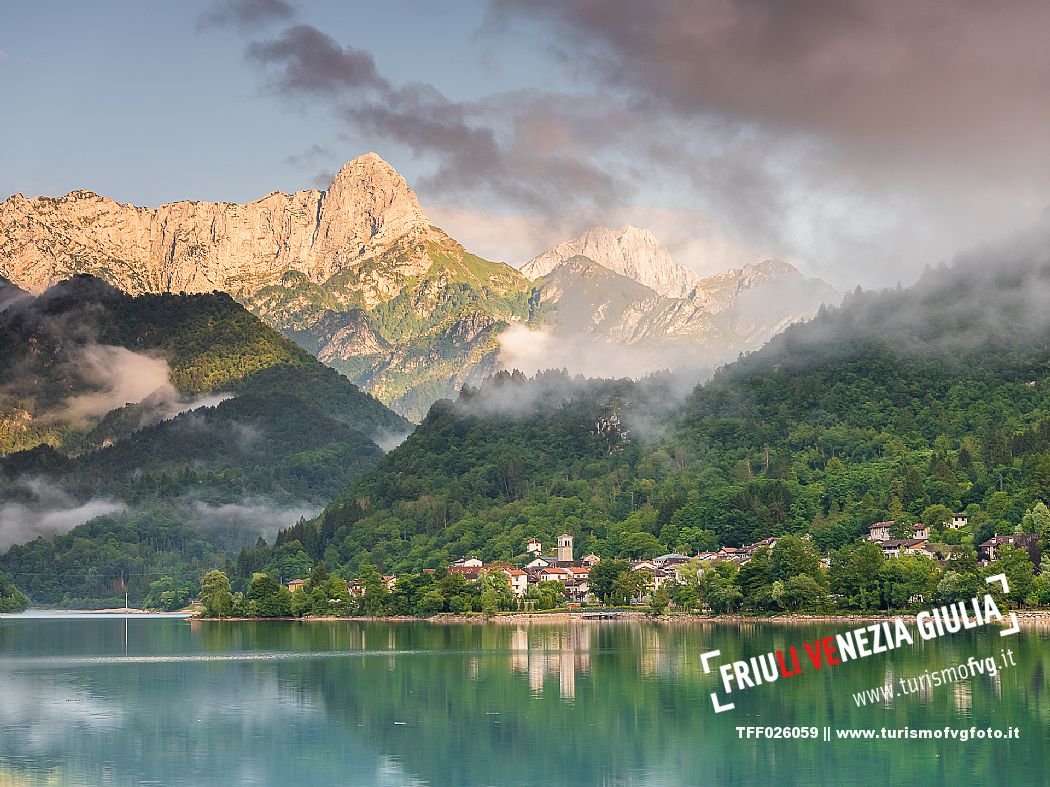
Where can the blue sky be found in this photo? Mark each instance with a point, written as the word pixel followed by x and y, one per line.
pixel 860 142
pixel 132 100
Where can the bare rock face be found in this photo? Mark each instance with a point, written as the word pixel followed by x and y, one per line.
pixel 628 251
pixel 205 246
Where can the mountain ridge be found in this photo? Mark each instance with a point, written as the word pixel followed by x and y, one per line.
pixel 630 251
pixel 197 246
pixel 359 276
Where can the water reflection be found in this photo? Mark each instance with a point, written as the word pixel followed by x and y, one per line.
pixel 499 704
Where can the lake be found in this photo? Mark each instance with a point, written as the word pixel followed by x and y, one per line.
pixel 97 701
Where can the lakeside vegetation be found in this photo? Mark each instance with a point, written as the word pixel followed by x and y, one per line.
pixel 177 494
pixel 11 598
pixel 788 578
pixel 903 406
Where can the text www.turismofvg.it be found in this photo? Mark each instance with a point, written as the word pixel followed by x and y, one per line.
pixel 931 679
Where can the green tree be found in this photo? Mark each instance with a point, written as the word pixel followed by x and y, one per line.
pixel 719 590
pixel 958 586
pixel 301 603
pixel 215 594
pixel 659 600
pixel 802 592
pixel 629 585
pixel 495 592
pixel 794 555
pixel 431 603
pixel 12 599
pixel 906 577
pixel 641 545
pixel 546 595
pixel 603 578
pixel 854 575
pixel 373 600
pixel 1037 520
pixel 168 595
pixel 936 516
pixel 319 574
pixel 1017 566
pixel 698 539
pixel 265 599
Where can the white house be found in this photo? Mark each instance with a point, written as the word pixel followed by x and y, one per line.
pixel 554 574
pixel 880 531
pixel 518 581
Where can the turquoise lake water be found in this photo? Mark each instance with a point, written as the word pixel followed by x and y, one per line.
pixel 89 701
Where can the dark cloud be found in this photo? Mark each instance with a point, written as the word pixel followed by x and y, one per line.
pixel 901 73
pixel 859 140
pixel 246 14
pixel 516 147
pixel 937 107
pixel 323 179
pixel 305 59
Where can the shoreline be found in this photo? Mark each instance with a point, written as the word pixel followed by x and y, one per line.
pixel 1029 617
pixel 44 612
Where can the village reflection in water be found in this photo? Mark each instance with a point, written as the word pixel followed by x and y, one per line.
pixel 406 702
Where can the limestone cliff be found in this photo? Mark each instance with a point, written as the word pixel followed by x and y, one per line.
pixel 206 246
pixel 355 273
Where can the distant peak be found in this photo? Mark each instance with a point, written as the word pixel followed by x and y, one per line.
pixel 629 251
pixel 771 266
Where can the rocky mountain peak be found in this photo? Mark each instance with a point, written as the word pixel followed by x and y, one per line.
pixel 369 188
pixel 368 206
pixel 203 246
pixel 755 273
pixel 630 251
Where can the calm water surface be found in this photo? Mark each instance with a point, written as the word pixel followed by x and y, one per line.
pixel 84 701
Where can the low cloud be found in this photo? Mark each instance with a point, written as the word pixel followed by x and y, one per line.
pixel 118 376
pixel 388 441
pixel 532 350
pixel 10 295
pixel 180 405
pixel 692 238
pixel 251 517
pixel 39 507
pixel 308 156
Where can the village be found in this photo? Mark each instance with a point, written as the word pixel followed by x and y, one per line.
pixel 559 564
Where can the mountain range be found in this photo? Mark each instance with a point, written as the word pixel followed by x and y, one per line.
pixel 900 405
pixel 180 424
pixel 903 405
pixel 357 275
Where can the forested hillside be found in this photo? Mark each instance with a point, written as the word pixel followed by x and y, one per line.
pixel 238 433
pixel 903 405
pixel 899 405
